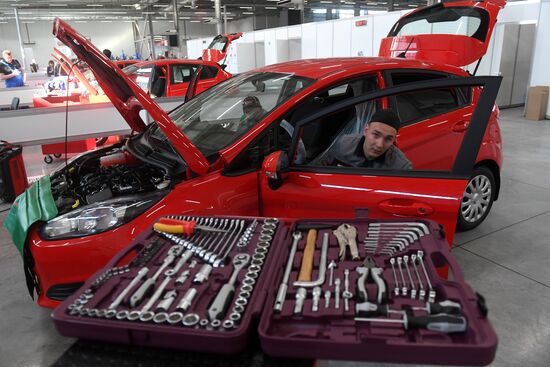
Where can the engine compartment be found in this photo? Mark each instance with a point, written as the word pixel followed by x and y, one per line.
pixel 102 175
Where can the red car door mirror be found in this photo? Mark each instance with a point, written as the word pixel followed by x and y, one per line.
pixel 275 168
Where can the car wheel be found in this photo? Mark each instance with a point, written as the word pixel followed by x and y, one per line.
pixel 48 159
pixel 477 199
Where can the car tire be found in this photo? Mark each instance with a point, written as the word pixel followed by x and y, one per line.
pixel 48 159
pixel 477 199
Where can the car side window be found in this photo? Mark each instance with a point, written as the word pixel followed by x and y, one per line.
pixel 208 72
pixel 420 105
pixel 251 158
pixel 180 73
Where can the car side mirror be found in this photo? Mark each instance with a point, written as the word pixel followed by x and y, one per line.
pixel 275 168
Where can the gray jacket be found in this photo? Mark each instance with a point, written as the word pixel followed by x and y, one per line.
pixel 348 151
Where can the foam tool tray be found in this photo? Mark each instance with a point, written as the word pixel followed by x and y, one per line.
pixel 361 289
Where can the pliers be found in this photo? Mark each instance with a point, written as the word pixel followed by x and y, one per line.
pixel 376 275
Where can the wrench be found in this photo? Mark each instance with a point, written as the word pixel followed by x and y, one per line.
pixel 142 272
pixel 346 295
pixel 146 286
pixel 404 288
pixel 422 292
pixel 396 289
pixel 218 308
pixel 281 294
pixel 431 293
pixel 413 287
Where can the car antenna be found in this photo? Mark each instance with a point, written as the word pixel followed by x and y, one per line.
pixel 402 54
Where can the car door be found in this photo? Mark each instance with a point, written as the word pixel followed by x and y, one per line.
pixel 180 75
pixel 316 190
pixel 433 122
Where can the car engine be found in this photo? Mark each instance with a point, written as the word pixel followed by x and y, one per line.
pixel 102 175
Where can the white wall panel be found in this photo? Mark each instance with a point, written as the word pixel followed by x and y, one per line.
pixel 540 73
pixel 361 37
pixel 270 47
pixel 259 36
pixel 342 38
pixel 382 25
pixel 294 49
pixel 518 11
pixel 309 40
pixel 281 33
pixel 324 39
pixel 295 31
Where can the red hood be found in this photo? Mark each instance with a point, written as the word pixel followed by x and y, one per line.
pixel 127 97
pixel 476 20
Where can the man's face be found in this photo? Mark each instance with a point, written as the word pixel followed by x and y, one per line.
pixel 7 56
pixel 379 137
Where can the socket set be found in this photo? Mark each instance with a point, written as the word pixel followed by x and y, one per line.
pixel 360 289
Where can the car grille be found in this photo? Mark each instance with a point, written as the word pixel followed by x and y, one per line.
pixel 59 292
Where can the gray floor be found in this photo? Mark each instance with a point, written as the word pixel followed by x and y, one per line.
pixel 505 259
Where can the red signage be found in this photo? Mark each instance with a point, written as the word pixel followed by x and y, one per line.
pixel 361 23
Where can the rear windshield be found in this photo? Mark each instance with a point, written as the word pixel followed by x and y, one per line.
pixel 218 43
pixel 464 21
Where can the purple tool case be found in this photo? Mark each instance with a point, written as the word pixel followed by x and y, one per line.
pixel 263 248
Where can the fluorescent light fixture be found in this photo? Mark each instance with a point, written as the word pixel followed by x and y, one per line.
pixel 148 12
pixel 245 7
pixel 319 11
pixel 94 5
pixel 201 12
pixel 106 21
pixel 325 2
pixel 248 12
pixel 19 5
pixel 271 7
pixel 27 21
pixel 128 5
pixel 2 22
pixel 160 5
pixel 58 5
pixel 81 21
pixel 195 21
pixel 413 5
pixel 184 18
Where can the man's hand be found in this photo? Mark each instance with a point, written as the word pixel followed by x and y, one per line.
pixel 15 73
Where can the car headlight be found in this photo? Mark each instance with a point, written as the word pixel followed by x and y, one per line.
pixel 98 217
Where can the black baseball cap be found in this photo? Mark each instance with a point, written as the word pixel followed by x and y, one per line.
pixel 387 117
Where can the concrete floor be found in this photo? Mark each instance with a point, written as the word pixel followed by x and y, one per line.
pixel 505 259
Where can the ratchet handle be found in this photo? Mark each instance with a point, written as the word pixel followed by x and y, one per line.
pixel 218 308
pixel 142 292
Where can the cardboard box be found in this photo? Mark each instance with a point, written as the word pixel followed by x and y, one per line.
pixel 537 101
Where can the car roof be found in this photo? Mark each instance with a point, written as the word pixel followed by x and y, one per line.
pixel 320 68
pixel 177 61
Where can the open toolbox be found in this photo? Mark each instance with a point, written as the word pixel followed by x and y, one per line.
pixel 361 289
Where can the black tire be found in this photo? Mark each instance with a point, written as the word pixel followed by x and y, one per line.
pixel 57 155
pixel 477 199
pixel 48 159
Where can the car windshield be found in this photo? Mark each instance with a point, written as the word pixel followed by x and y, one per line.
pixel 219 116
pixel 218 43
pixel 139 74
pixel 464 21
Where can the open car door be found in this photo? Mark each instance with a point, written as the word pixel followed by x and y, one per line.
pixel 456 33
pixel 310 189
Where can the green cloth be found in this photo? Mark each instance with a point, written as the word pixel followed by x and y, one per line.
pixel 35 204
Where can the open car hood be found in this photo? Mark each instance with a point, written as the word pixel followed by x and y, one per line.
pixel 127 97
pixel 72 69
pixel 216 55
pixel 455 33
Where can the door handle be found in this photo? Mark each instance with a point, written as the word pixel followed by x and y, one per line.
pixel 405 207
pixel 461 126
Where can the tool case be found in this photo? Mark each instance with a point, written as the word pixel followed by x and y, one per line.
pixel 13 176
pixel 186 310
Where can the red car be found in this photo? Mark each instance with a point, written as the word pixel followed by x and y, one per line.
pixel 209 156
pixel 123 63
pixel 170 77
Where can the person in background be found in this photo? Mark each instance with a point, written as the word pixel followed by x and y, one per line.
pixel 10 71
pixel 107 53
pixel 34 66
pixel 50 70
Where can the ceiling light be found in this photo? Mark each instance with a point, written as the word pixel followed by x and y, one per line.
pixel 248 12
pixel 325 2
pixel 245 7
pixel 148 12
pixel 184 18
pixel 94 5
pixel 413 5
pixel 58 5
pixel 195 21
pixel 106 21
pixel 19 5
pixel 201 12
pixel 271 7
pixel 81 21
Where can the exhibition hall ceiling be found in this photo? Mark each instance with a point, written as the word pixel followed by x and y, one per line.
pixel 188 10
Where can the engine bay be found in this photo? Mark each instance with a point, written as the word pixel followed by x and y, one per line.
pixel 102 175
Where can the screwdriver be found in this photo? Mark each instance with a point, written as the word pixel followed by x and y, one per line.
pixel 187 227
pixel 448 307
pixel 442 323
pixel 369 309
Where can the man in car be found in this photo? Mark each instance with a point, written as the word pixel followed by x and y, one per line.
pixel 375 148
pixel 10 71
pixel 252 112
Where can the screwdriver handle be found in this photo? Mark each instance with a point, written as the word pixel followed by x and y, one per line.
pixel 441 323
pixel 448 307
pixel 306 268
pixel 183 227
pixel 369 309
